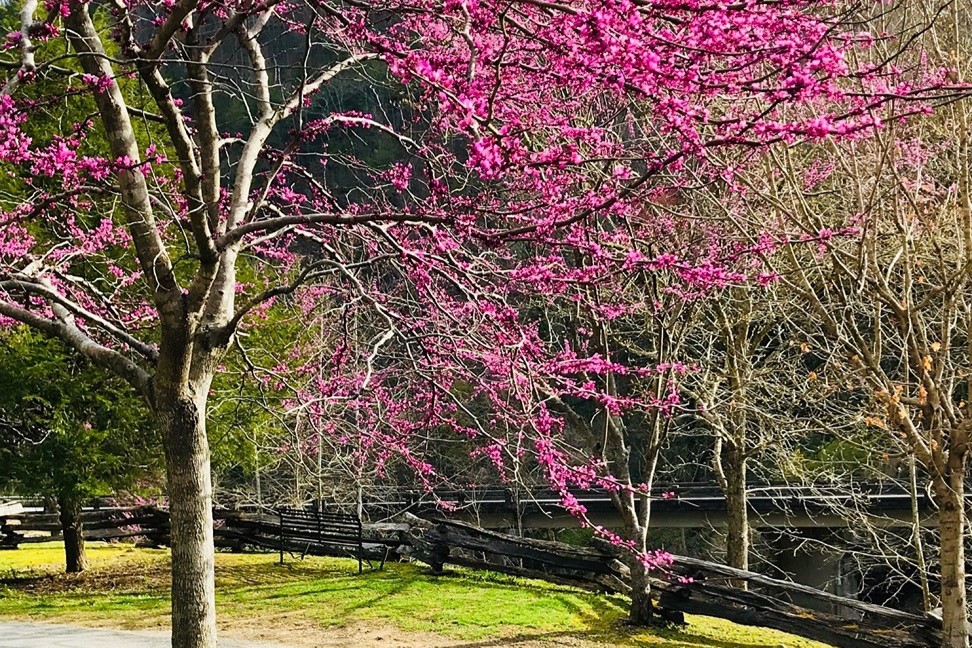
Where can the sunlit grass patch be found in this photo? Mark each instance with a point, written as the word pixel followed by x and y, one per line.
pixel 128 588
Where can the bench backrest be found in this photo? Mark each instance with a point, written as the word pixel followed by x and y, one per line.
pixel 319 530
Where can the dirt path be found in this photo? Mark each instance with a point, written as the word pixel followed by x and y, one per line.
pixel 371 635
pixel 25 634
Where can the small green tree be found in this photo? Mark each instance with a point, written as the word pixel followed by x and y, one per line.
pixel 68 432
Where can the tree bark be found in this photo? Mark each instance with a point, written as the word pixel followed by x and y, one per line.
pixel 635 510
pixel 642 611
pixel 183 426
pixel 72 530
pixel 737 513
pixel 952 528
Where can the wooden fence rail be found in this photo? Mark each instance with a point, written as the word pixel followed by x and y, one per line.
pixel 233 530
pixel 708 592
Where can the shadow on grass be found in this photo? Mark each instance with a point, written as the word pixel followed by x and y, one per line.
pixel 409 595
pixel 375 600
pixel 25 582
pixel 340 593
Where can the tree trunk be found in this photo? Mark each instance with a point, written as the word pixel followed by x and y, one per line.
pixel 737 534
pixel 75 558
pixel 641 613
pixel 183 427
pixel 952 527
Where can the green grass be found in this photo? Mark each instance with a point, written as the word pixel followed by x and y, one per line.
pixel 128 588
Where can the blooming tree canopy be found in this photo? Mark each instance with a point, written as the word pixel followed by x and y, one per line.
pixel 173 170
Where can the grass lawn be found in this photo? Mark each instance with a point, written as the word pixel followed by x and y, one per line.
pixel 257 598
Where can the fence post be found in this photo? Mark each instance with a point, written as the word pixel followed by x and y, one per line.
pixel 280 513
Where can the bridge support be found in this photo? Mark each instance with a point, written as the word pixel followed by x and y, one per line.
pixel 811 557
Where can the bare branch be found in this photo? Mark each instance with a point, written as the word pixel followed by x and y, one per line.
pixel 64 329
pixel 35 288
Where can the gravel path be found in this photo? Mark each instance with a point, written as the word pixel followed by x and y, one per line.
pixel 17 634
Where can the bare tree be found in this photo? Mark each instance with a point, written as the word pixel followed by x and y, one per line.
pixel 889 292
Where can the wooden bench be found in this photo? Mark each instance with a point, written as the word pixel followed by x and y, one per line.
pixel 320 533
pixel 10 519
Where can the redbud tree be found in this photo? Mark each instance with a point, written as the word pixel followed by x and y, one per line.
pixel 213 174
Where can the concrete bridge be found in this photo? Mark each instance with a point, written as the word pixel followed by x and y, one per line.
pixel 681 506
